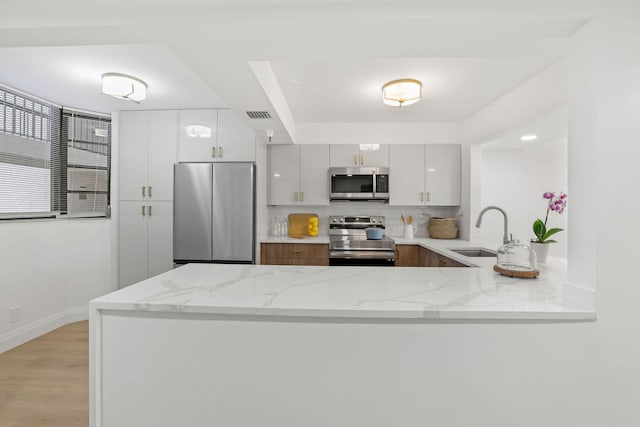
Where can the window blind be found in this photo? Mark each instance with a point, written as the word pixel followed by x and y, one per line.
pixel 52 161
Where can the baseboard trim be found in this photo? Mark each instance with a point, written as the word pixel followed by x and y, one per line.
pixel 40 327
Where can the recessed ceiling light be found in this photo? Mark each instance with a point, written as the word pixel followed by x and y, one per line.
pixel 528 137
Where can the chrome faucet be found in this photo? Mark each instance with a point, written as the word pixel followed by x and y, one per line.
pixel 505 238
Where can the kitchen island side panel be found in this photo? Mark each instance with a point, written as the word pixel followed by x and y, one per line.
pixel 166 369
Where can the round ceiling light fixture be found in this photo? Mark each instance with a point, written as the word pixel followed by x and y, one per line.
pixel 402 92
pixel 122 86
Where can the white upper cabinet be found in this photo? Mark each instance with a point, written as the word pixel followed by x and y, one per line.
pixel 407 175
pixel 147 154
pixel 425 175
pixel 284 174
pixel 357 155
pixel 314 174
pixel 344 155
pixel 162 154
pixel 374 155
pixel 443 174
pixel 298 174
pixel 134 140
pixel 236 140
pixel 215 135
pixel 198 135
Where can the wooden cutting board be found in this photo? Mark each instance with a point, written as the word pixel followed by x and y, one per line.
pixel 298 224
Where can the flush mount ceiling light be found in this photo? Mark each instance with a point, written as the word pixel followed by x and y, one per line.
pixel 198 131
pixel 122 86
pixel 402 92
pixel 529 137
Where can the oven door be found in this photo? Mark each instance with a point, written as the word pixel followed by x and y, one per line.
pixel 350 184
pixel 374 258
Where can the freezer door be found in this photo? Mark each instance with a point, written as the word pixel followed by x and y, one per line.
pixel 192 212
pixel 233 212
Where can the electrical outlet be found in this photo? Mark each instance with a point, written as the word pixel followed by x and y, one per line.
pixel 14 314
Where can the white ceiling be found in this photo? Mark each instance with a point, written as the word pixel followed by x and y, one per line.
pixel 196 53
pixel 350 91
pixel 549 128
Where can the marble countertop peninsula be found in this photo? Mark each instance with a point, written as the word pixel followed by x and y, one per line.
pixel 355 292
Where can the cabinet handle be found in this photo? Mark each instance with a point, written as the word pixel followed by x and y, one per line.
pixel 150 212
pixel 428 196
pixel 295 197
pixel 150 191
pixel 355 160
pixel 442 263
pixel 220 152
pixel 213 151
pixel 302 196
pixel 299 251
pixel 362 159
pixel 144 210
pixel 144 191
pixel 422 196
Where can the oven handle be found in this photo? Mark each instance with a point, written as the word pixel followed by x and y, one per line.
pixel 362 254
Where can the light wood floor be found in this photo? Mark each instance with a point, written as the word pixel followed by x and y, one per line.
pixel 45 382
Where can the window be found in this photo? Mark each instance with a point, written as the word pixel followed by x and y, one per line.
pixel 53 161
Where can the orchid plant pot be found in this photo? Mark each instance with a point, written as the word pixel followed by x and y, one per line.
pixel 541 250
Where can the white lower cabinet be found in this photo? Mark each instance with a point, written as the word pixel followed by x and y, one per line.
pixel 146 240
pixel 425 175
pixel 298 174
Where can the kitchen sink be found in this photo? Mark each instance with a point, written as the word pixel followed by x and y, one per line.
pixel 475 252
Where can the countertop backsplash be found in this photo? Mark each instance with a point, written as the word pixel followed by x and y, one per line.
pixel 394 226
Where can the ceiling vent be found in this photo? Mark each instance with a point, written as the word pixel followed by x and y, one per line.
pixel 258 114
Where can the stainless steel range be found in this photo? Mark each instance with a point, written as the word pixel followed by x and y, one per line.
pixel 348 244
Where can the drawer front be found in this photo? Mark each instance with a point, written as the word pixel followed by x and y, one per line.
pixel 286 253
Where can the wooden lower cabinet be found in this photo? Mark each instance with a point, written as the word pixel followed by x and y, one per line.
pixel 408 256
pixel 417 256
pixel 294 254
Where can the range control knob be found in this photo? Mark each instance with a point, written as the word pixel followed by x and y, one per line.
pixel 373 221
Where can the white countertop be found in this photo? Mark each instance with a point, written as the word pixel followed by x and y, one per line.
pixel 355 292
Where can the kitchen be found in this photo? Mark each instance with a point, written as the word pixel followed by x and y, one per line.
pixel 586 265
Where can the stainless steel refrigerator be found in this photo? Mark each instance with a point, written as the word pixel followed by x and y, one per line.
pixel 214 212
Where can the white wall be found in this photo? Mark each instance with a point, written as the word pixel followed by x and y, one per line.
pixel 51 269
pixel 515 181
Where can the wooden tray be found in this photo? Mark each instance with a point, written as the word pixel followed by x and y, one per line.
pixel 516 273
pixel 298 224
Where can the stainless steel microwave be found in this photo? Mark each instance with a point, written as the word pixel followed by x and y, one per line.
pixel 359 183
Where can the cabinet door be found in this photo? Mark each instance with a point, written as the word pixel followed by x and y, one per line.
pixel 163 136
pixel 344 155
pixel 407 256
pixel 236 140
pixel 443 174
pixel 314 174
pixel 284 174
pixel 160 237
pixel 199 144
pixel 134 127
pixel 374 155
pixel 407 175
pixel 133 242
